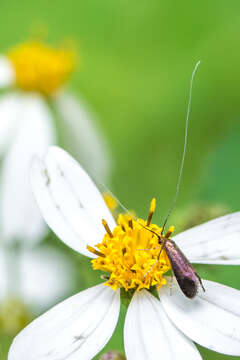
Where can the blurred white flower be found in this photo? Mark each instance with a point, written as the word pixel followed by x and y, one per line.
pixel 168 326
pixel 33 107
pixel 35 112
pixel 31 281
pixel 45 275
pixel 26 127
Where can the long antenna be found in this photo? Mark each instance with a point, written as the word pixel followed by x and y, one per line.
pixel 184 148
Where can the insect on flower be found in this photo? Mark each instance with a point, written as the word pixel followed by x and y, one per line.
pixel 187 277
pixel 170 323
pixel 79 327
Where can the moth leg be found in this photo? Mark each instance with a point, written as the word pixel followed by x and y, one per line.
pixel 163 246
pixel 200 281
pixel 150 268
pixel 156 259
pixel 154 248
pixel 171 284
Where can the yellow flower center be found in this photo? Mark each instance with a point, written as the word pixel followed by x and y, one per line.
pixel 39 67
pixel 131 254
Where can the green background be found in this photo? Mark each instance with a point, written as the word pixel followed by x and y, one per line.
pixel 136 62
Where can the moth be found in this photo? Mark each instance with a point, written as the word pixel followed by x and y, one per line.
pixel 186 276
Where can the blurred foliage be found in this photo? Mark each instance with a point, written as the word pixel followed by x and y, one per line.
pixel 136 60
pixel 14 316
pixel 220 177
pixel 197 214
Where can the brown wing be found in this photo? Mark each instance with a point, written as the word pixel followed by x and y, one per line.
pixel 187 278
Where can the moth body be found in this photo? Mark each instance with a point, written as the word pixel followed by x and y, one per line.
pixel 187 277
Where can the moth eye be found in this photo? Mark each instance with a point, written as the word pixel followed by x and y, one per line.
pixel 189 287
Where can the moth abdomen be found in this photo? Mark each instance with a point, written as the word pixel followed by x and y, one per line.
pixel 189 287
pixel 186 276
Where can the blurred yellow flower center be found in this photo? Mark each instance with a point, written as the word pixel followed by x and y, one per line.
pixel 14 316
pixel 131 254
pixel 39 67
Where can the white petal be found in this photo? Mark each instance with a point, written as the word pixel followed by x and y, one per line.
pixel 77 328
pixel 70 202
pixel 4 275
pixel 215 242
pixel 7 73
pixel 45 276
pixel 149 334
pixel 212 319
pixel 19 214
pixel 82 137
pixel 10 107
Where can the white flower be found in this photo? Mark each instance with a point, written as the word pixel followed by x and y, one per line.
pixel 26 127
pixel 33 106
pixel 31 281
pixel 79 327
pixel 24 274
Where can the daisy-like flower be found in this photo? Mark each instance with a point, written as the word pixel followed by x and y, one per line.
pixel 167 326
pixel 35 113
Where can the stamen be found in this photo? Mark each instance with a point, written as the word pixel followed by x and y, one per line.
pixel 169 232
pixel 107 228
pixel 152 231
pixel 127 267
pixel 130 223
pixel 94 251
pixel 151 211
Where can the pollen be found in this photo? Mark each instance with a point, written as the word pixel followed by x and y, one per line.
pixel 41 68
pixel 132 255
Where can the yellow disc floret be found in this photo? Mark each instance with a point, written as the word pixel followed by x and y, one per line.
pixel 132 255
pixel 39 67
